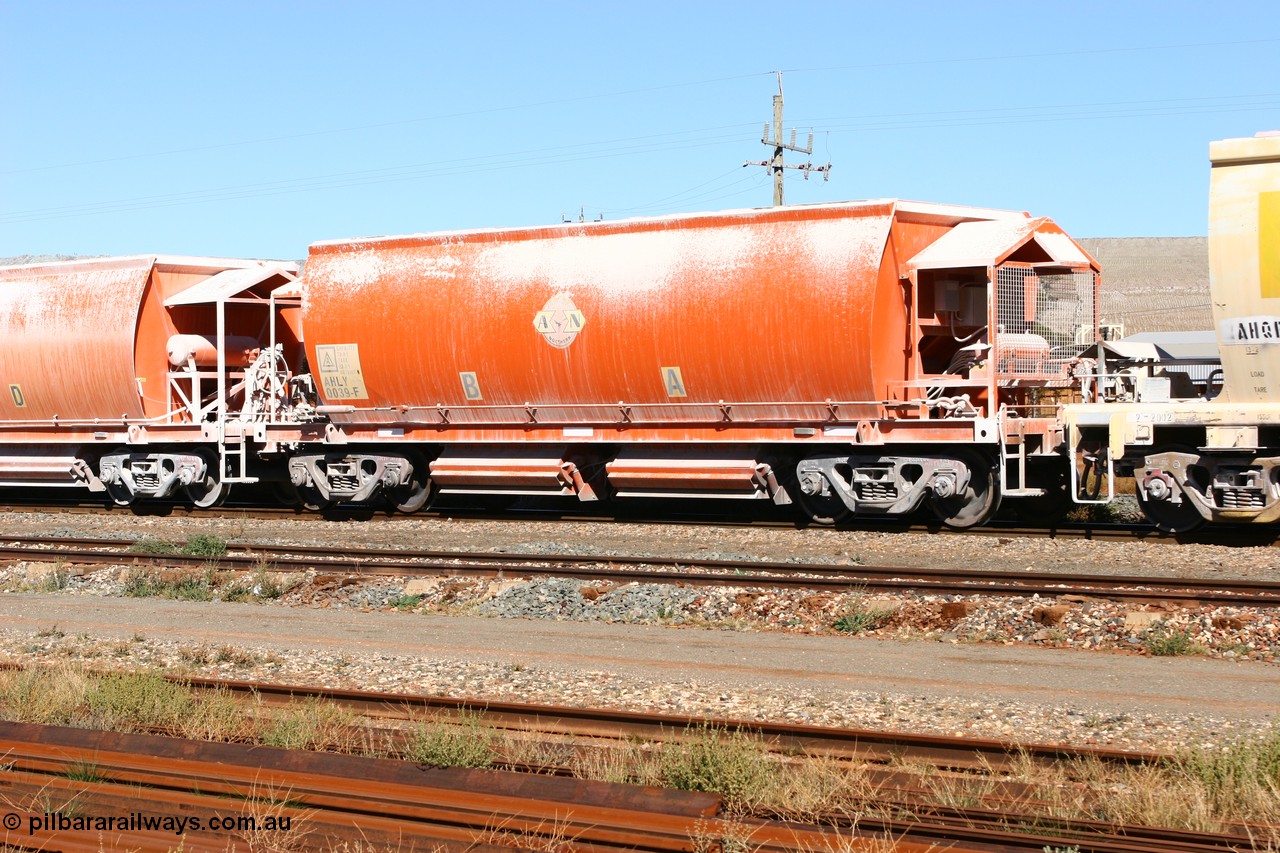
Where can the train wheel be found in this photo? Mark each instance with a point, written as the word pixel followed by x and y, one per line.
pixel 286 493
pixel 210 490
pixel 415 494
pixel 817 498
pixel 976 503
pixel 1171 517
pixel 1049 508
pixel 825 510
pixel 120 494
pixel 309 498
pixel 1155 489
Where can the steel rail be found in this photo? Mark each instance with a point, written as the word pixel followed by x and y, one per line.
pixel 828 577
pixel 371 800
pixel 376 800
pixel 1077 830
pixel 966 759
pixel 942 751
pixel 591 728
pixel 1019 831
pixel 871 745
pixel 1118 531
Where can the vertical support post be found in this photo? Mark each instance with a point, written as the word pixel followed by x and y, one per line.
pixel 275 377
pixel 775 164
pixel 221 406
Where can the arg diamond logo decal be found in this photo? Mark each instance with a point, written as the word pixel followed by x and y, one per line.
pixel 559 321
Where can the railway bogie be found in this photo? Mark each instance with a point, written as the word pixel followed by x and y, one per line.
pixel 148 377
pixel 1212 457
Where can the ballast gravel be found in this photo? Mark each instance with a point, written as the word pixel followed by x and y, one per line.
pixel 1249 636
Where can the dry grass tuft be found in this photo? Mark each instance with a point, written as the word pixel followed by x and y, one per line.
pixel 453 741
pixel 1222 788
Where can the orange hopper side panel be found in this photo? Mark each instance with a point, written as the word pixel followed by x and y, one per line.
pixel 88 340
pixel 67 339
pixel 748 307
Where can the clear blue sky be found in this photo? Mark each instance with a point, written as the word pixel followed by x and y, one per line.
pixel 254 129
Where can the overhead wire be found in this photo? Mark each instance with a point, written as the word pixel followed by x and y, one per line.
pixel 316 183
pixel 1070 105
pixel 681 197
pixel 533 157
pixel 527 157
pixel 1055 118
pixel 651 143
pixel 1022 56
pixel 625 92
pixel 622 146
pixel 384 124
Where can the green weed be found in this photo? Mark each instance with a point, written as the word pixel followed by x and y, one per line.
pixel 464 741
pixel 1166 642
pixel 731 764
pixel 204 545
pixel 136 701
pixel 406 602
pixel 858 616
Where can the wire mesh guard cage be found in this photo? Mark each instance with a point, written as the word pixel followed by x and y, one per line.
pixel 1044 319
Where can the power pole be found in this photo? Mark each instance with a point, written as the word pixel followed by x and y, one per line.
pixel 776 164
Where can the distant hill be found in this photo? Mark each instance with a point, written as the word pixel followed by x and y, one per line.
pixel 1151 284
pixel 1154 284
pixel 37 259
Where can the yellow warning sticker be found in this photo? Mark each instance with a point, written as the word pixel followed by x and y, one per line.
pixel 1269 244
pixel 19 399
pixel 339 368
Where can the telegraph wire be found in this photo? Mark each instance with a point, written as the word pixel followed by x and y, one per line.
pixel 305 185
pixel 1020 56
pixel 621 93
pixel 1155 102
pixel 533 157
pixel 385 124
pixel 995 121
pixel 975 119
pixel 754 180
pixel 672 197
pixel 651 143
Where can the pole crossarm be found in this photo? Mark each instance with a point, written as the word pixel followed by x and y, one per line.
pixel 777 164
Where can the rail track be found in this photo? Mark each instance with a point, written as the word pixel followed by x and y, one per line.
pixel 52 772
pixel 814 576
pixel 548 512
pixel 391 804
pixel 392 715
pixel 1001 815
pixel 867 745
